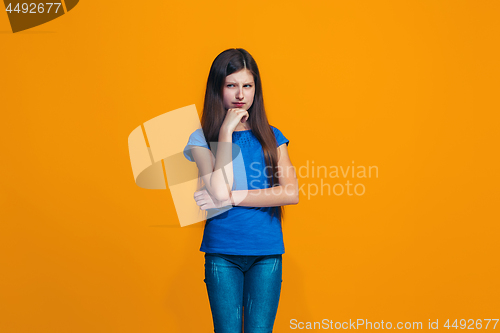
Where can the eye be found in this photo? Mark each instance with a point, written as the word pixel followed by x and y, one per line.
pixel 248 85
pixel 230 85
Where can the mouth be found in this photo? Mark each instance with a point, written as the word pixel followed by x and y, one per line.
pixel 239 104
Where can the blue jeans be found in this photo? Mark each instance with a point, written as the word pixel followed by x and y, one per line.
pixel 243 290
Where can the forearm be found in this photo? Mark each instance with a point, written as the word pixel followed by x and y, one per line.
pixel 222 177
pixel 269 197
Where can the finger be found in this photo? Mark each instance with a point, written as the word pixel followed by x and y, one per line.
pixel 201 202
pixel 204 196
pixel 199 193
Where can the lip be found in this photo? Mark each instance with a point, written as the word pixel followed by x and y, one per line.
pixel 239 104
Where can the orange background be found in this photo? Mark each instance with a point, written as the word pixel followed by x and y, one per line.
pixel 411 88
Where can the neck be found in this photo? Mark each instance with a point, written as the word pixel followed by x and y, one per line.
pixel 242 127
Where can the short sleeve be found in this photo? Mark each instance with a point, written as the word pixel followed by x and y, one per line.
pixel 280 138
pixel 195 139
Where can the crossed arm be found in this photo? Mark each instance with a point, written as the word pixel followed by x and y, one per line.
pixel 287 193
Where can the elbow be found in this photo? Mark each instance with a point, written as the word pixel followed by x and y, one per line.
pixel 294 198
pixel 221 195
pixel 293 195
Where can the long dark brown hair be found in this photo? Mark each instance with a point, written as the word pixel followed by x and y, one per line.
pixel 226 63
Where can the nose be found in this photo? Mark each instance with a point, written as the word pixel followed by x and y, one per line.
pixel 239 95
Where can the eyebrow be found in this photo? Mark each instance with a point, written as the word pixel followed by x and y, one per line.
pixel 236 82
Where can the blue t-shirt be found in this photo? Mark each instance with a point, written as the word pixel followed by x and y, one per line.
pixel 243 230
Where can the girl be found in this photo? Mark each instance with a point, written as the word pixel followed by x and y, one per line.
pixel 249 173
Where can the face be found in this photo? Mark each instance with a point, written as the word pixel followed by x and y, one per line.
pixel 239 90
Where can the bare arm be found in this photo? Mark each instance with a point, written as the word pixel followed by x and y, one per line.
pixel 216 172
pixel 287 193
